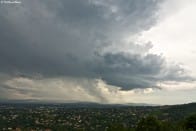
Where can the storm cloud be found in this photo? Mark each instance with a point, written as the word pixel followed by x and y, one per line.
pixel 83 39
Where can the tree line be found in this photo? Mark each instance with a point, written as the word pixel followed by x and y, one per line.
pixel 152 123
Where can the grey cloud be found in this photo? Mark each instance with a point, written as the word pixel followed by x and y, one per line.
pixel 68 38
pixel 138 71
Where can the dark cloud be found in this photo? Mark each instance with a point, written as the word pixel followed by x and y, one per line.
pixel 138 70
pixel 70 37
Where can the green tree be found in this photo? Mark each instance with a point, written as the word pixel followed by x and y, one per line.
pixel 190 122
pixel 149 123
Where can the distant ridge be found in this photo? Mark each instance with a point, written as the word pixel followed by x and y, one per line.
pixel 82 104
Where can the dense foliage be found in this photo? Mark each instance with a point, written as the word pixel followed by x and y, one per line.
pixel 151 123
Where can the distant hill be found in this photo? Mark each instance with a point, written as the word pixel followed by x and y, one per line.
pixel 93 104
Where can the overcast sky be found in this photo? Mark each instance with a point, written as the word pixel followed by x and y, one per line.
pixel 106 51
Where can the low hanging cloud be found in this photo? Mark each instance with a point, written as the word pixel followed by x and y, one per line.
pixel 81 40
pixel 67 90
